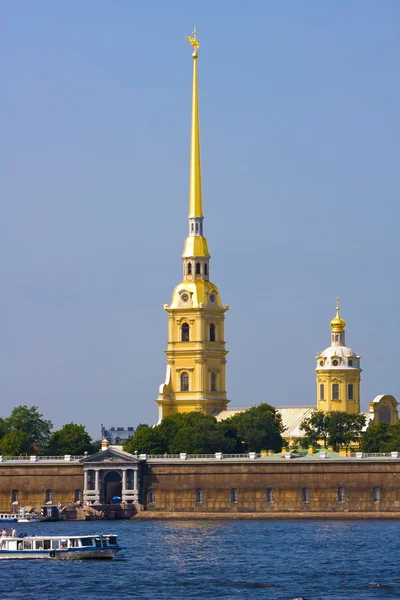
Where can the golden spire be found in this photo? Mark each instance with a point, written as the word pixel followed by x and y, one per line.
pixel 338 324
pixel 195 199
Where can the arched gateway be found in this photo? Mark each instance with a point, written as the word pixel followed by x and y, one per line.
pixel 111 474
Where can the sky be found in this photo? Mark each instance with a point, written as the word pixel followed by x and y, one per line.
pixel 300 134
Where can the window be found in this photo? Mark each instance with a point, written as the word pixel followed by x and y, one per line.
pixel 185 332
pixel 350 363
pixel 234 495
pixel 48 496
pixel 14 496
pixel 335 391
pixel 199 496
pixel 335 363
pixel 350 392
pixel 198 267
pixel 305 495
pixel 321 391
pixel 205 269
pixel 269 496
pixel 151 495
pixel 336 338
pixel 376 494
pixel 78 496
pixel 340 495
pixel 189 268
pixel 184 382
pixel 192 227
pixel 197 228
pixel 213 382
pixel 212 332
pixel 130 481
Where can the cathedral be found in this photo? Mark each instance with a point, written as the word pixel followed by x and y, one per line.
pixel 196 353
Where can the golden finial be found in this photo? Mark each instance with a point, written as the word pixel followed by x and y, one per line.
pixel 337 306
pixel 194 41
pixel 338 324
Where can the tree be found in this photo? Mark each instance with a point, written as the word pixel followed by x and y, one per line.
pixel 375 438
pixel 30 421
pixel 259 428
pixel 146 440
pixel 316 427
pixel 70 439
pixel 392 444
pixel 15 443
pixel 198 434
pixel 344 428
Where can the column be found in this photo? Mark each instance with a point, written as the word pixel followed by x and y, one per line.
pixel 97 485
pixel 135 485
pixel 123 480
pixel 86 481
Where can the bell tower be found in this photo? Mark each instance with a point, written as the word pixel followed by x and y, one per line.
pixel 196 354
pixel 338 372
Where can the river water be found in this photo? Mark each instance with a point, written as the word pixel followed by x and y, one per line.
pixel 277 560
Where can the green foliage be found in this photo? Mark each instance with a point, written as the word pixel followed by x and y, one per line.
pixel 70 439
pixel 15 443
pixel 30 421
pixel 316 428
pixel 337 428
pixel 375 438
pixel 196 433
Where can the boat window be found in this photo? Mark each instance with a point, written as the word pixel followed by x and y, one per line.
pixel 12 545
pixel 112 540
pixel 63 544
pixel 55 544
pixel 39 544
pixel 86 541
pixel 98 543
pixel 27 545
pixel 73 543
pixel 46 544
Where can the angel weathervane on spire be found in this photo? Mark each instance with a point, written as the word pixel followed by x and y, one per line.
pixel 194 41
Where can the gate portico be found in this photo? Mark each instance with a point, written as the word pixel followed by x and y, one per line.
pixel 111 473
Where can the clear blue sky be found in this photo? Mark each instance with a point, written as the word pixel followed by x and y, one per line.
pixel 299 106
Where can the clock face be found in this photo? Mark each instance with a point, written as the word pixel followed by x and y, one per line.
pixel 321 363
pixel 185 297
pixel 335 363
pixel 212 297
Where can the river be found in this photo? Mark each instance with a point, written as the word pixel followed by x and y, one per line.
pixel 276 560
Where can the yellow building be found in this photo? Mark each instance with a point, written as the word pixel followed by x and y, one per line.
pixel 196 355
pixel 338 372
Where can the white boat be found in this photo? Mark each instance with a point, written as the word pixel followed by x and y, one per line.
pixel 8 517
pixel 76 547
pixel 28 518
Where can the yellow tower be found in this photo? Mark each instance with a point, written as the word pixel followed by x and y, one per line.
pixel 196 355
pixel 338 372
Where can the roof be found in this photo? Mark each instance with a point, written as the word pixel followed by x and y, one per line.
pixel 292 417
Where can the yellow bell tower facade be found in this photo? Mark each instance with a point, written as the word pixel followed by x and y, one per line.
pixel 196 355
pixel 338 372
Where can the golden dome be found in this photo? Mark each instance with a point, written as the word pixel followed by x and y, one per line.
pixel 338 324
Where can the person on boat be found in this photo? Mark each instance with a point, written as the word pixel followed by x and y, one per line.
pixel 13 532
pixel 4 532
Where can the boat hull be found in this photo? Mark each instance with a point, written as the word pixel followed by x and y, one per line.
pixel 70 554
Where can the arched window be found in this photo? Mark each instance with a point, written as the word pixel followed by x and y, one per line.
pixel 305 495
pixel 321 391
pixel 198 268
pixel 350 392
pixel 340 495
pixel 269 496
pixel 192 227
pixel 185 332
pixel 335 391
pixel 199 496
pixel 130 481
pixel 213 382
pixel 48 496
pixel 151 496
pixel 205 269
pixel 197 228
pixel 376 494
pixel 184 382
pixel 189 268
pixel 78 496
pixel 385 414
pixel 234 495
pixel 212 332
pixel 14 496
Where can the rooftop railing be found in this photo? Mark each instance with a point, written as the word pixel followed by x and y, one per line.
pixel 35 458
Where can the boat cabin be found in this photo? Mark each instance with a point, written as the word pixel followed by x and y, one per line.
pixel 57 543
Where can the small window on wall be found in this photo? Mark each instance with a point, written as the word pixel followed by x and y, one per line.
pixel 14 496
pixel 321 391
pixel 48 496
pixel 335 391
pixel 212 332
pixel 189 268
pixel 199 496
pixel 213 382
pixel 78 497
pixel 340 495
pixel 305 495
pixel 350 392
pixel 269 496
pixel 184 382
pixel 198 268
pixel 376 494
pixel 185 332
pixel 151 496
pixel 205 269
pixel 234 495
